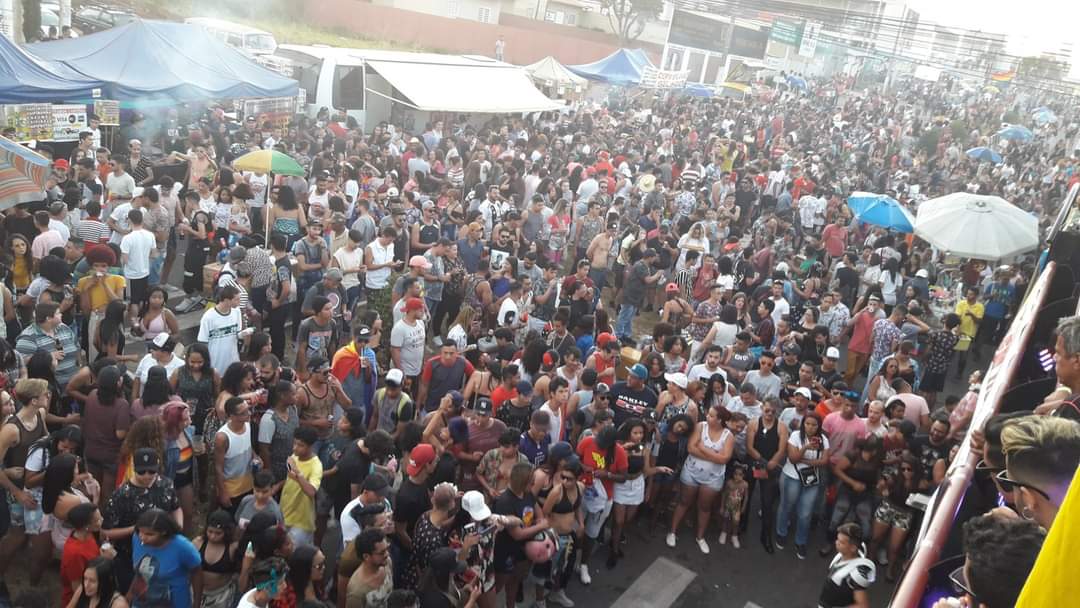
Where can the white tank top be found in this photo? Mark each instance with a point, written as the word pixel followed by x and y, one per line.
pixel 717 446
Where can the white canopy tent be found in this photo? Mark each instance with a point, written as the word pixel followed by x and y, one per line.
pixel 554 76
pixel 466 84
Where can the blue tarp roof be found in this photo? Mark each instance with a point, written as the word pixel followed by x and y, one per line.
pixel 623 67
pixel 27 79
pixel 151 60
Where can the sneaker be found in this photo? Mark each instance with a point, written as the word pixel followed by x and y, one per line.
pixel 559 597
pixel 723 538
pixel 670 540
pixel 583 574
pixel 540 604
pixel 779 542
pixel 704 546
pixel 182 306
pixel 735 542
pixel 800 551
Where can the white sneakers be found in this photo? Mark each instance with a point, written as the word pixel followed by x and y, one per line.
pixel 704 546
pixel 735 542
pixel 670 540
pixel 723 538
pixel 559 597
pixel 583 574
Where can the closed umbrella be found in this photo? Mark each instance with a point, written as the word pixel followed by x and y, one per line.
pixel 984 154
pixel 1015 133
pixel 269 161
pixel 976 226
pixel 22 174
pixel 881 210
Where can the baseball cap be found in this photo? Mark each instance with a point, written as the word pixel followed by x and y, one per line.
pixel 428 205
pixel 419 261
pixel 392 192
pixel 922 273
pixel 483 406
pixel 337 218
pixel 456 397
pixel 317 364
pixel 145 461
pixel 803 391
pixel 315 221
pixel 601 389
pixel 237 254
pixel 792 349
pixel 395 377
pixel 163 342
pixel 61 163
pixel 362 332
pixel 874 298
pixel 420 456
pixel 671 288
pixel 473 504
pixel 678 379
pixel 376 482
pixel 445 561
pixel 639 371
pixel 524 388
pixel 413 304
pixel 606 338
pixel 832 352
pixel 334 274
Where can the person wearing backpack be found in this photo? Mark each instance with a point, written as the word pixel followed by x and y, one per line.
pixel 391 407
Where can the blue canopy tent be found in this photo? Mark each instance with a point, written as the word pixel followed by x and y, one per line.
pixel 153 61
pixel 27 79
pixel 623 67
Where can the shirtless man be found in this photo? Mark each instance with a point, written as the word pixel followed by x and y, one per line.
pixel 598 253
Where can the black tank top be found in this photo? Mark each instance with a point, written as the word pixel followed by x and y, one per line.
pixel 767 441
pixel 226 564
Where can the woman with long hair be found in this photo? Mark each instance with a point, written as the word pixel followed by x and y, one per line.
pixel 220 557
pixel 675 400
pixel 558 224
pixel 307 572
pixel 807 452
pixel 893 517
pixel 109 410
pixel 462 330
pixel 155 318
pixel 742 310
pixel 286 216
pixel 881 385
pixel 637 441
pixel 109 340
pixel 65 486
pixel 81 547
pixel 710 448
pixel 890 283
pixel 237 381
pixel 98 589
pixel 180 456
pixel 146 432
pixel 196 383
pixel 716 392
pixel 259 345
pixel 156 392
pixel 157 535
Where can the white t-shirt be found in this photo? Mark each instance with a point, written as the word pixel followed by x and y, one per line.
pixel 796 440
pixel 248 601
pixel 410 339
pixel 219 333
pixel 782 308
pixel 348 260
pixel 701 372
pixel 318 204
pixel 120 216
pixel 148 361
pixel 61 227
pixel 120 186
pixel 137 245
pixel 258 188
pixel 508 306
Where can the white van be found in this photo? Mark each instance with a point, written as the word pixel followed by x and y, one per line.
pixel 331 77
pixel 250 40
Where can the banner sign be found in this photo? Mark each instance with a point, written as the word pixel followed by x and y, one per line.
pixel 787 31
pixel 276 110
pixel 68 121
pixel 809 39
pixel 653 78
pixel 108 112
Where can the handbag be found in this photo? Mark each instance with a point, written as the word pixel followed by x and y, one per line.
pixel 760 470
pixel 809 477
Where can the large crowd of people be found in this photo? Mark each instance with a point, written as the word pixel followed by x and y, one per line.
pixel 467 358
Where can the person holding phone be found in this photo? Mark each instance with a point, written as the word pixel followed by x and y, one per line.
pixel 807 450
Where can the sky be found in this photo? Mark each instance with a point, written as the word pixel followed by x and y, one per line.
pixel 1032 25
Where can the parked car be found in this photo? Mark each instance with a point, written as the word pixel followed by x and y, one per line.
pixel 92 18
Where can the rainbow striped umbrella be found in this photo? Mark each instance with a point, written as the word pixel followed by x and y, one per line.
pixel 22 174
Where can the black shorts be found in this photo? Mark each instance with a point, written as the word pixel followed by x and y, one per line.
pixel 933 382
pixel 139 289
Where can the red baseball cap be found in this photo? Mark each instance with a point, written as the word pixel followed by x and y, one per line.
pixel 413 304
pixel 61 164
pixel 604 339
pixel 420 456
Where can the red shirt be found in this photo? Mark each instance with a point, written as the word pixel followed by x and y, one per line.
pixel 77 553
pixel 593 460
pixel 803 185
pixel 500 395
pixel 835 238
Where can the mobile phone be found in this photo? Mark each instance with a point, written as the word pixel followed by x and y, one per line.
pixel 487 530
pixel 469 528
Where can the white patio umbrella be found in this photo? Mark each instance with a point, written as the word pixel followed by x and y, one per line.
pixel 976 226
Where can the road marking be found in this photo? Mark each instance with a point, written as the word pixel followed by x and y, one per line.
pixel 658 587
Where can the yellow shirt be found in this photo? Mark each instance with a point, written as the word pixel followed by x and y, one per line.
pixel 297 507
pixel 969 326
pixel 98 298
pixel 20 273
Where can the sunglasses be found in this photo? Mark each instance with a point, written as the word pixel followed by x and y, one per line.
pixel 960 583
pixel 984 467
pixel 1010 485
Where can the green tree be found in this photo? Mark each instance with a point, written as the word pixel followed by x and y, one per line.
pixel 628 17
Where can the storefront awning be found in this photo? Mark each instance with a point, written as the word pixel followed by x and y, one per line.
pixel 480 86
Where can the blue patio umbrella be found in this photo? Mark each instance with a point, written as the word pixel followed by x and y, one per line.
pixel 1015 133
pixel 881 210
pixel 984 154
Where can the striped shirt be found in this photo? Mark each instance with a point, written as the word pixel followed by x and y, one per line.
pixel 93 231
pixel 32 340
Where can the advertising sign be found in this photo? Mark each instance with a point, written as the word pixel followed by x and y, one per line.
pixel 787 31
pixel 276 110
pixel 809 39
pixel 68 121
pixel 108 111
pixel 653 78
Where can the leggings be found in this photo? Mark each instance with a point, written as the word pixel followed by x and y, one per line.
pixel 770 501
pixel 277 319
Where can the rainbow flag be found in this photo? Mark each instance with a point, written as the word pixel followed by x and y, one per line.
pixel 1003 76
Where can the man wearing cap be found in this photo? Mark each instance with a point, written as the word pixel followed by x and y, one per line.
pixel 357 369
pixel 471 248
pixel 860 328
pixel 413 499
pixel 144 491
pixel 316 401
pixel 827 373
pixel 791 417
pixel 374 490
pixel 392 409
pixel 161 354
pixel 788 366
pixel 407 340
pixel 418 266
pixel 640 277
pixel 516 411
pixel 331 288
pixel 630 398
